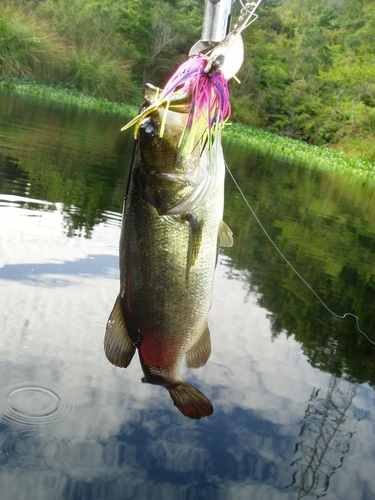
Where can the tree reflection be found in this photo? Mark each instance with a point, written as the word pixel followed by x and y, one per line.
pixel 324 440
pixel 325 226
pixel 65 154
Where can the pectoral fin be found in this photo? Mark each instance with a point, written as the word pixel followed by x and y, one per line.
pixel 195 239
pixel 191 402
pixel 225 235
pixel 198 355
pixel 118 346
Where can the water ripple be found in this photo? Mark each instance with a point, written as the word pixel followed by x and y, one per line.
pixel 32 405
pixel 28 440
pixel 33 450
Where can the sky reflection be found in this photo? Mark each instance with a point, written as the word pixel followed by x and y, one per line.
pixel 280 428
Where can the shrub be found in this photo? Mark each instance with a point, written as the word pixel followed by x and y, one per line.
pixel 29 48
pixel 97 74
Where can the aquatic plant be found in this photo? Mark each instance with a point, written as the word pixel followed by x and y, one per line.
pixel 293 150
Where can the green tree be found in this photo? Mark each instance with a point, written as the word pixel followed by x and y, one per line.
pixel 158 35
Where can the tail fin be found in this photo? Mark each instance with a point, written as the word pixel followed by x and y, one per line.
pixel 191 402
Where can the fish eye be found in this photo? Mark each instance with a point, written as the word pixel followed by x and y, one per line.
pixel 147 129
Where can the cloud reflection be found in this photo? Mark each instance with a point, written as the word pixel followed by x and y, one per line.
pixel 43 274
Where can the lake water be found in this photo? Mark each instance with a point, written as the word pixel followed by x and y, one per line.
pixel 292 386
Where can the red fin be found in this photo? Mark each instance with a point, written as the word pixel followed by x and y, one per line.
pixel 191 402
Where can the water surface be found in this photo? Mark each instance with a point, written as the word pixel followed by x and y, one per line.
pixel 292 387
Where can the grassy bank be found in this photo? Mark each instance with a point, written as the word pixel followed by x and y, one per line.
pixel 290 150
pixel 31 48
pixel 60 93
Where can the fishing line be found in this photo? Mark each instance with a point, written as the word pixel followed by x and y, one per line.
pixel 338 316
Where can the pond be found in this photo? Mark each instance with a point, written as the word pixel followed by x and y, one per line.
pixel 292 386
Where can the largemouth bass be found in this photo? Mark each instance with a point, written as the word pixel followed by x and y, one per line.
pixel 171 229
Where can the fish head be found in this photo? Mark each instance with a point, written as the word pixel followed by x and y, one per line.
pixel 171 180
pixel 158 139
pixel 160 133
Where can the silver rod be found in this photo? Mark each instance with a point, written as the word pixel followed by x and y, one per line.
pixel 216 21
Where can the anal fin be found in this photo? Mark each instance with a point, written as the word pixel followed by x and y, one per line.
pixel 118 346
pixel 198 355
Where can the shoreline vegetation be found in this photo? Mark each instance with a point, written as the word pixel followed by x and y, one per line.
pixel 297 151
pixel 262 141
pixel 307 81
pixel 61 94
